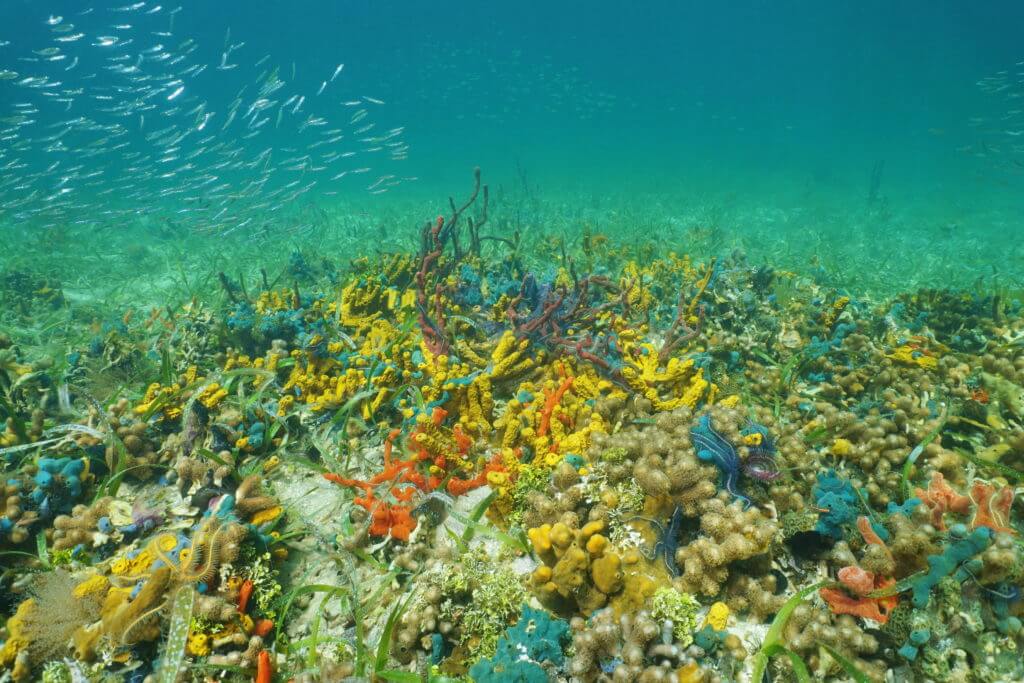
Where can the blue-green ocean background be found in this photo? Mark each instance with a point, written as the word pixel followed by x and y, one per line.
pixel 773 119
pixel 775 99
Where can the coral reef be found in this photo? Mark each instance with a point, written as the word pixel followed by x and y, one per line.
pixel 592 462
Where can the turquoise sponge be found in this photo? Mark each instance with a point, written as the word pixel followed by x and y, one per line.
pixel 955 559
pixel 536 638
pixel 837 497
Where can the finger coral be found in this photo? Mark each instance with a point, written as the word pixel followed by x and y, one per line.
pixel 729 534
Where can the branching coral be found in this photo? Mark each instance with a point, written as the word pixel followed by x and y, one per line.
pixel 461 612
pixel 810 627
pixel 628 647
pixel 663 461
pixel 729 534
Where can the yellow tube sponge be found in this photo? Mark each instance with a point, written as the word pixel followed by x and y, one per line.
pixel 606 572
pixel 129 622
pixel 570 573
pixel 718 616
pixel 16 641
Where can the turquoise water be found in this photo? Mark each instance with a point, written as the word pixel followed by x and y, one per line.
pixel 274 406
pixel 793 129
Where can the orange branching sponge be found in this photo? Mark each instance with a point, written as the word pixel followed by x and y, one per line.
pixel 853 600
pixel 244 593
pixel 387 518
pixel 443 451
pixel 264 670
pixel 992 507
pixel 457 487
pixel 399 472
pixel 553 399
pixel 396 520
pixel 870 537
pixel 940 498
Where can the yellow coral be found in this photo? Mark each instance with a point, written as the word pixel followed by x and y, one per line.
pixel 497 478
pixel 236 360
pixel 606 572
pixel 842 447
pixel 729 401
pixel 97 583
pixel 561 536
pixel 480 404
pixel 276 300
pixel 909 355
pixel 690 673
pixel 267 515
pixel 577 564
pixel 285 404
pixel 679 383
pixel 16 641
pixel 570 572
pixel 596 544
pixel 211 395
pixel 158 396
pixel 510 358
pixel 718 616
pixel 143 561
pixel 362 303
pixel 540 537
pixel 550 417
pixel 833 313
pixel 198 644
pixel 640 579
pixel 753 439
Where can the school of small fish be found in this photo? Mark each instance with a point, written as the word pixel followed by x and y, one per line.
pixel 118 117
pixel 1000 132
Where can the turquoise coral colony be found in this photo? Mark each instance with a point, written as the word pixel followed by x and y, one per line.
pixel 541 461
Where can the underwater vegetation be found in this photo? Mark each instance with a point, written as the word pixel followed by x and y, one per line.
pixel 469 460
